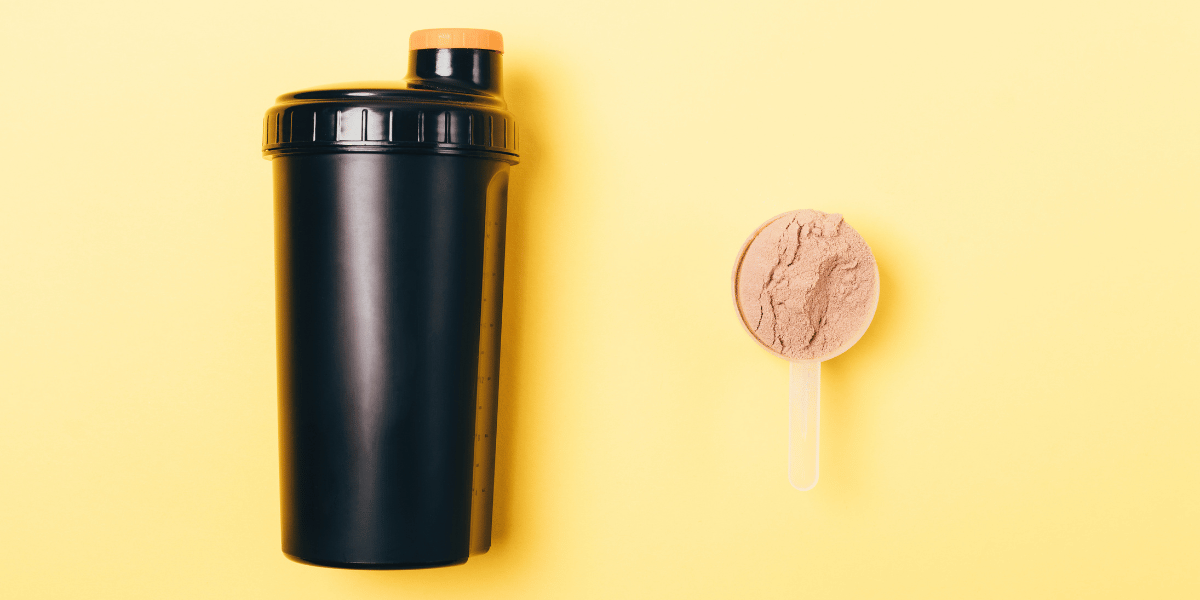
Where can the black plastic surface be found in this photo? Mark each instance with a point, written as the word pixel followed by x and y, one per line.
pixel 389 263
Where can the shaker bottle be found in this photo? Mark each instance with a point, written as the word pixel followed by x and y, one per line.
pixel 390 204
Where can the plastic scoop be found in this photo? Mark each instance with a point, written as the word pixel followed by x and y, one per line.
pixel 806 287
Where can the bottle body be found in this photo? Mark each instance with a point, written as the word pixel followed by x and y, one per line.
pixel 389 272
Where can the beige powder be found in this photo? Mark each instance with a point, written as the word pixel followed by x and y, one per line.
pixel 806 285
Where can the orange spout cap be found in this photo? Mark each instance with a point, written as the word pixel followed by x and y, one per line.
pixel 456 37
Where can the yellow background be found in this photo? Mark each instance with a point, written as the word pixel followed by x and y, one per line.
pixel 1019 422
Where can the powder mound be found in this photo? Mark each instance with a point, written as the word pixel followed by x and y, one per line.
pixel 806 285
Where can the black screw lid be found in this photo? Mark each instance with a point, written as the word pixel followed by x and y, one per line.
pixel 450 103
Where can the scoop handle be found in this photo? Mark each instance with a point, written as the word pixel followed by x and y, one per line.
pixel 804 423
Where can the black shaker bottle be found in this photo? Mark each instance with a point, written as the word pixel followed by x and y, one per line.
pixel 390 203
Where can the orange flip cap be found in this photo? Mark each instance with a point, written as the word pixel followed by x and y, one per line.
pixel 456 37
